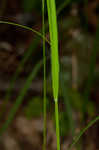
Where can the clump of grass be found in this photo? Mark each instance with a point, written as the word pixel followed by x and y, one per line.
pixel 25 58
pixel 55 72
pixel 54 60
pixel 23 92
pixel 55 83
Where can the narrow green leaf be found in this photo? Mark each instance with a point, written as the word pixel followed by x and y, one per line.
pixel 54 46
pixel 83 131
pixel 54 60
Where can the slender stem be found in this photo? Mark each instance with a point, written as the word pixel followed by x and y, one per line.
pixel 44 86
pixel 57 125
pixel 26 28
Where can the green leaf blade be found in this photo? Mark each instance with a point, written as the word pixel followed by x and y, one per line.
pixel 54 46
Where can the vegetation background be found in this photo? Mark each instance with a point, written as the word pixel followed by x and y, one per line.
pixel 21 53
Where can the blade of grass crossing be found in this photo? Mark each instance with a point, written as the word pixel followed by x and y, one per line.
pixel 51 7
pixel 44 86
pixel 24 27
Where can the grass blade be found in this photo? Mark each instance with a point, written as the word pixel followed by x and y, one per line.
pixel 54 46
pixel 54 60
pixel 83 131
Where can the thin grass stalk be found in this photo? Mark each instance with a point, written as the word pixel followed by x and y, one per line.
pixel 44 86
pixel 51 7
pixel 57 125
pixel 26 28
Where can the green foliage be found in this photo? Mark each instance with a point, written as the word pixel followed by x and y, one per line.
pixel 77 103
pixel 29 5
pixel 72 98
pixel 91 109
pixel 25 58
pixel 51 7
pixel 76 100
pixel 64 124
pixel 54 47
pixel 91 123
pixel 20 98
pixel 34 108
pixel 25 27
pixel 91 73
pixel 67 102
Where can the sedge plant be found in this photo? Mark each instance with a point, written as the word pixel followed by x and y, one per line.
pixel 12 113
pixel 23 92
pixel 24 60
pixel 32 46
pixel 54 65
pixel 55 73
